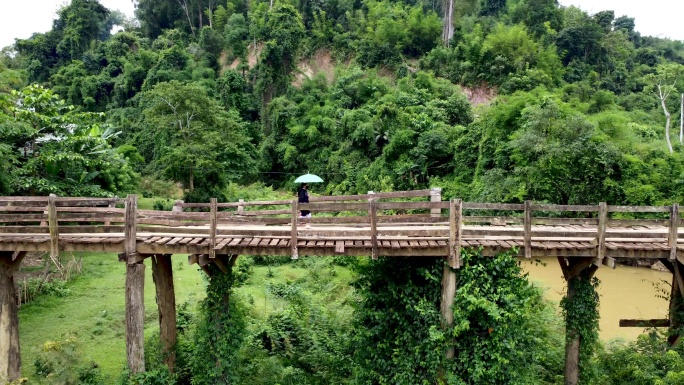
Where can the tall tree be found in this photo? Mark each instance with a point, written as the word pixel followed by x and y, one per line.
pixel 663 83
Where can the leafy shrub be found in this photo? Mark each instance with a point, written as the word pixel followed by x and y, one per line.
pixel 59 363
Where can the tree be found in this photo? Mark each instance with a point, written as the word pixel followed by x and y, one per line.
pixel 663 83
pixel 50 148
pixel 196 142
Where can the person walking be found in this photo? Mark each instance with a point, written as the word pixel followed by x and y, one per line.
pixel 303 194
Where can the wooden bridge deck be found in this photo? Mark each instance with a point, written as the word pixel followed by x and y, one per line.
pixel 408 240
pixel 382 224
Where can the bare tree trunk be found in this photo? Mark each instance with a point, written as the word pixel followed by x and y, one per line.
pixel 448 28
pixel 184 4
pixel 199 13
pixel 681 121
pixel 668 121
pixel 192 179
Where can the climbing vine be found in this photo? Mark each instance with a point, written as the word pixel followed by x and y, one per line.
pixel 580 308
pixel 219 333
pixel 503 330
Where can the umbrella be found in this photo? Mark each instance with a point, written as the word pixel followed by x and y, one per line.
pixel 309 178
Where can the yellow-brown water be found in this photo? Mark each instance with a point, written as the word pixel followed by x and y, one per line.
pixel 625 292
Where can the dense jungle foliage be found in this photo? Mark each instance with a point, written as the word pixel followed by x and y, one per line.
pixel 527 100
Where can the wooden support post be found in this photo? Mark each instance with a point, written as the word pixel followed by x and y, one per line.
pixel 601 231
pixel 674 227
pixel 241 207
pixel 54 229
pixel 135 289
pixel 527 229
pixel 576 269
pixel 212 226
pixel 436 196
pixel 162 275
pixel 294 252
pixel 448 295
pixel 455 230
pixel 676 303
pixel 10 358
pixel 373 227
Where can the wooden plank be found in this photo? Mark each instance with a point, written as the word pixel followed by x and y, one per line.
pixel 527 229
pixel 645 323
pixel 162 241
pixel 373 227
pixel 174 241
pixel 411 205
pixel 601 231
pixel 333 207
pixel 54 229
pixel 339 247
pixel 574 208
pixel 638 209
pixel 196 241
pixel 294 253
pixel 222 243
pixel 493 206
pixel 381 195
pixel 254 242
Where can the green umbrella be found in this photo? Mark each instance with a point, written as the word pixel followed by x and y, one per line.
pixel 309 178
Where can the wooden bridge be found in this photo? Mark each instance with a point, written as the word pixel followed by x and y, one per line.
pixel 408 223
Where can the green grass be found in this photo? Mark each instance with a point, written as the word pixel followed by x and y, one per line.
pixel 94 312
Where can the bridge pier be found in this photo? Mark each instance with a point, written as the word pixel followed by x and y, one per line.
pixel 448 295
pixel 162 275
pixel 676 308
pixel 10 359
pixel 574 271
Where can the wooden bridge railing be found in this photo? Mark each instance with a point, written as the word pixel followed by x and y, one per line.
pixel 380 220
pixel 374 217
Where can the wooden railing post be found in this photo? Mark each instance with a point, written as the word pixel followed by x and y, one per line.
pixel 111 205
pixel 674 228
pixel 293 234
pixel 455 229
pixel 130 227
pixel 436 196
pixel 212 226
pixel 135 289
pixel 241 208
pixel 527 229
pixel 601 231
pixel 373 227
pixel 54 229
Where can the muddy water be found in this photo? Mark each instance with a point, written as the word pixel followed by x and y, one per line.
pixel 626 292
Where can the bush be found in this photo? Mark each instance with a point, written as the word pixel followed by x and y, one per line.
pixel 59 363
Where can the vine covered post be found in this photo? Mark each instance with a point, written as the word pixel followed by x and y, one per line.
pixel 580 308
pixel 10 359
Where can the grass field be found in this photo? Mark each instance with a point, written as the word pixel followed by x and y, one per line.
pixel 93 311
